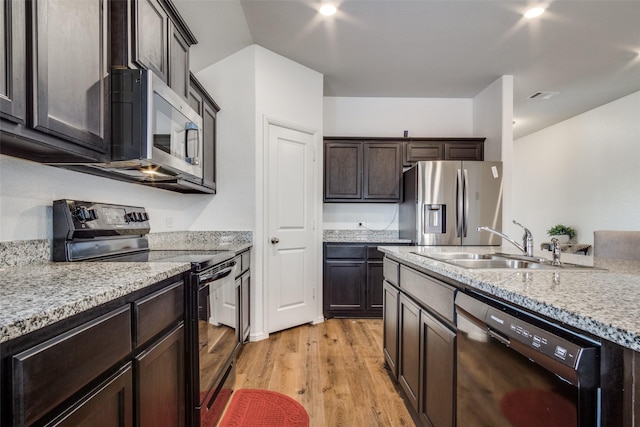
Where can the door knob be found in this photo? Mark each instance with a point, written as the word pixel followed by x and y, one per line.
pixel 275 240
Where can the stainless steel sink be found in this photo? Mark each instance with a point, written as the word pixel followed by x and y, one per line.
pixel 500 261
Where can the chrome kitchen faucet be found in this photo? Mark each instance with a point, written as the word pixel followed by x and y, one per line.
pixel 527 238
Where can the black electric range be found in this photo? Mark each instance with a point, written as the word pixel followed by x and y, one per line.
pixel 90 231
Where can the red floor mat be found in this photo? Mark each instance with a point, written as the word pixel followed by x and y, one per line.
pixel 263 408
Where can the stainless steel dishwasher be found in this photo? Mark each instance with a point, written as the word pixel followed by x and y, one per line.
pixel 515 369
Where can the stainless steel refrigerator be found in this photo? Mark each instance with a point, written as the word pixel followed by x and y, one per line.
pixel 446 201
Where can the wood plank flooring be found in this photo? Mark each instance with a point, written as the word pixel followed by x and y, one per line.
pixel 334 369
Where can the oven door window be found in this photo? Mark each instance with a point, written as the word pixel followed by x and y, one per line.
pixel 498 386
pixel 216 330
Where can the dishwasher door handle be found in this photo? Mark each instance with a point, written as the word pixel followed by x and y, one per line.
pixel 504 340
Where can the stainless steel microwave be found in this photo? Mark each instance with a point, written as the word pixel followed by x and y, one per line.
pixel 155 134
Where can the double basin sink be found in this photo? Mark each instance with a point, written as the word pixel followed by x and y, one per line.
pixel 499 261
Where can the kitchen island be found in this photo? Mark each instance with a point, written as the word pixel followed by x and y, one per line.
pixel 600 305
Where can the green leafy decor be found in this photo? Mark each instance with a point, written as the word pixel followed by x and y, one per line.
pixel 559 230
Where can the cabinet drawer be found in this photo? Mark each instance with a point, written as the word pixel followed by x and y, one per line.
pixel 431 294
pixel 156 312
pixel 50 372
pixel 345 252
pixel 391 271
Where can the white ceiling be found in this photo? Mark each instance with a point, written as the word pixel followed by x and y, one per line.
pixel 588 51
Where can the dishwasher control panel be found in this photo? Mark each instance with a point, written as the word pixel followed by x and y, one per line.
pixel 542 341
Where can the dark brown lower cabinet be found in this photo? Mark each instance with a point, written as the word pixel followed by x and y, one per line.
pixel 409 349
pixel 160 380
pixel 419 342
pixel 119 364
pixel 352 281
pixel 109 405
pixel 391 299
pixel 437 377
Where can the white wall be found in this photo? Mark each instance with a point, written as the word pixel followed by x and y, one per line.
pixel 28 189
pixel 251 86
pixel 583 172
pixel 493 119
pixel 344 116
pixel 231 83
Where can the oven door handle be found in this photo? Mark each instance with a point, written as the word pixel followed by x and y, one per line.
pixel 216 275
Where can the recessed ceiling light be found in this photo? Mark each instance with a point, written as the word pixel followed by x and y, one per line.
pixel 328 9
pixel 534 12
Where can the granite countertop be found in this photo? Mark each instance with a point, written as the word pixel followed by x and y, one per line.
pixel 35 292
pixel 36 296
pixel 362 236
pixel 605 303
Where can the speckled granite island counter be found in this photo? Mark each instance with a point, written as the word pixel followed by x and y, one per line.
pixel 605 303
pixel 426 322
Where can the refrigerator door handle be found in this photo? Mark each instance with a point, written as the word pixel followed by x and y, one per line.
pixel 459 203
pixel 465 211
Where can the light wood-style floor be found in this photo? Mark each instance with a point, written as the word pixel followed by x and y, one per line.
pixel 334 369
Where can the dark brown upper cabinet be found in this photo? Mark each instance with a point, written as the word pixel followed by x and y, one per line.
pixel 13 51
pixel 362 171
pixel 419 149
pixel 343 170
pixel 70 75
pixel 151 34
pixel 54 98
pixel 382 171
pixel 206 107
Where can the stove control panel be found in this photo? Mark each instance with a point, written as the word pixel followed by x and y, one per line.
pixel 74 219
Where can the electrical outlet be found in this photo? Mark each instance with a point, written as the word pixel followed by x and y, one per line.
pixel 362 224
pixel 169 222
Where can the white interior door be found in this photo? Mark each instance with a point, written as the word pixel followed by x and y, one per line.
pixel 291 274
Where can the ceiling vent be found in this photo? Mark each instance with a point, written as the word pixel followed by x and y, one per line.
pixel 543 95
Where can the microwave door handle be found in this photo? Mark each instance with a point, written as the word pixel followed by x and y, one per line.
pixel 191 126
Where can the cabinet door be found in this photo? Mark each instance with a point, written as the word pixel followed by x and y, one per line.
pixel 201 102
pixel 409 349
pixel 111 404
pixel 344 283
pixel 417 151
pixel 245 308
pixel 209 146
pixel 437 391
pixel 160 381
pixel 179 63
pixel 70 73
pixel 390 327
pixel 382 171
pixel 375 278
pixel 13 90
pixel 343 171
pixel 151 39
pixel 464 150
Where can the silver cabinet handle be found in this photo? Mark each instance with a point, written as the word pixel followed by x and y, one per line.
pixel 275 240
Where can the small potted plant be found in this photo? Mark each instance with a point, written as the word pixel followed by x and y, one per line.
pixel 563 233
